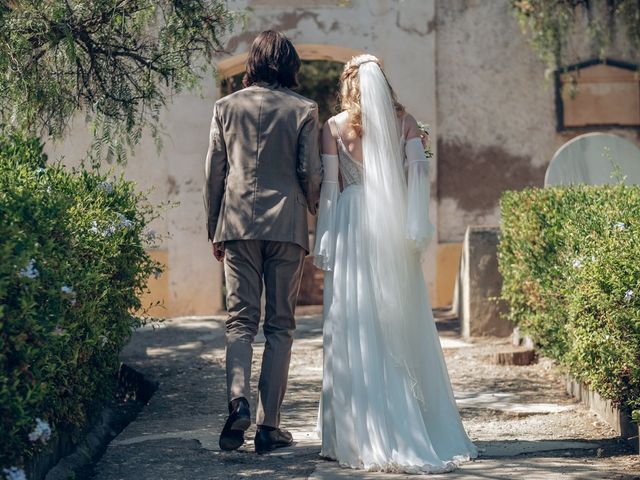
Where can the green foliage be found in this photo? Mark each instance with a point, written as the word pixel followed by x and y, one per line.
pixel 569 260
pixel 73 266
pixel 320 80
pixel 552 24
pixel 119 61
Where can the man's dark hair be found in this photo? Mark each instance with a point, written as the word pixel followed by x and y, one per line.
pixel 272 59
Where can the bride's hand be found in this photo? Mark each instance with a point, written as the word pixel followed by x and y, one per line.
pixel 218 251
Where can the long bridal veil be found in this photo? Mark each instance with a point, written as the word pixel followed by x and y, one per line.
pixel 391 253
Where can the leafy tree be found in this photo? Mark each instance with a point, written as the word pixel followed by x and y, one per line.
pixel 117 60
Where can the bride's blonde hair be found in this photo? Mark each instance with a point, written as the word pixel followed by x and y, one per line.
pixel 350 92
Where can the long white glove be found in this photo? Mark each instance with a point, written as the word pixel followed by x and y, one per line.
pixel 324 251
pixel 420 231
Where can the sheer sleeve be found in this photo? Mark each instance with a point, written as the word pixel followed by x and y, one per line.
pixel 419 229
pixel 324 251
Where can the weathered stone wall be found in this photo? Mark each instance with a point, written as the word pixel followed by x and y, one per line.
pixel 496 115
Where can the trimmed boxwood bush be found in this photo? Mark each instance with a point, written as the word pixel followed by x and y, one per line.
pixel 570 261
pixel 72 245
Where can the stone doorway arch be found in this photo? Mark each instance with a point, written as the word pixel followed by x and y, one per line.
pixel 234 65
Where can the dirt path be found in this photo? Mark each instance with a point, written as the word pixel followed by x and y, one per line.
pixel 522 421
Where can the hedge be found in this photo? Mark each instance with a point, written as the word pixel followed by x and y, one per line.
pixel 570 262
pixel 73 266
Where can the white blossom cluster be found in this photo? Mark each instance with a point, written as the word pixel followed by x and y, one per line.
pixel 106 187
pixel 69 293
pixel 14 473
pixel 628 296
pixel 122 223
pixel 41 432
pixel 30 271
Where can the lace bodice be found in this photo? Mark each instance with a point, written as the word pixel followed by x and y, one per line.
pixel 351 170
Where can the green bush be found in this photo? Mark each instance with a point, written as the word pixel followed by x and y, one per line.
pixel 570 261
pixel 73 266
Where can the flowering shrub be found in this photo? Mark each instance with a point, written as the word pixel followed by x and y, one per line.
pixel 73 265
pixel 570 260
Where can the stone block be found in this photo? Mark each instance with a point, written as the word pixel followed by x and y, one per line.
pixel 479 284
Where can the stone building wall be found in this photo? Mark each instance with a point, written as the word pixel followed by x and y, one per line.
pixel 496 118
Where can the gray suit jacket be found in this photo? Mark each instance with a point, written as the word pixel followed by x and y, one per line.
pixel 263 168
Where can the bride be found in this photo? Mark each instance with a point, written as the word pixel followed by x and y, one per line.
pixel 387 402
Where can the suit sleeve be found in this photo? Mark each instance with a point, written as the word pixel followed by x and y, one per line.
pixel 309 166
pixel 215 174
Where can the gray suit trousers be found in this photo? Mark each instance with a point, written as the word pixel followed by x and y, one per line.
pixel 246 264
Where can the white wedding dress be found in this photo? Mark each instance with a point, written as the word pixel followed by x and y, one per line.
pixel 377 413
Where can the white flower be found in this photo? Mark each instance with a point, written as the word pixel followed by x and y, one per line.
pixel 124 221
pixel 94 227
pixel 14 473
pixel 619 226
pixel 49 189
pixel 42 431
pixel 577 263
pixel 628 296
pixel 106 187
pixel 103 340
pixel 30 271
pixel 69 293
pixel 110 230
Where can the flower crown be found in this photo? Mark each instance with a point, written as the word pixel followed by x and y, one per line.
pixel 365 58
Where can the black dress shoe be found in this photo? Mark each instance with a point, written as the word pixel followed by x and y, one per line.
pixel 268 439
pixel 232 435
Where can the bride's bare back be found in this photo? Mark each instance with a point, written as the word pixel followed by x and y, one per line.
pixel 351 141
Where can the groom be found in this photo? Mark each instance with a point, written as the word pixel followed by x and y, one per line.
pixel 263 172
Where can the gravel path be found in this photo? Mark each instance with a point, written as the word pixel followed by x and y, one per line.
pixel 520 417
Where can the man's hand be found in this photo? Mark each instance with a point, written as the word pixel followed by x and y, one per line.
pixel 218 251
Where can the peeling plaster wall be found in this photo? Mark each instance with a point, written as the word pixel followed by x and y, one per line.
pixel 496 116
pixel 174 175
